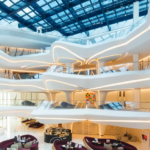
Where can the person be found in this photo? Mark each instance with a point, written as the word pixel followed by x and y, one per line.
pixel 15 139
pixel 18 138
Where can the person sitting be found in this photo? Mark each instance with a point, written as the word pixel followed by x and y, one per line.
pixel 15 139
pixel 18 138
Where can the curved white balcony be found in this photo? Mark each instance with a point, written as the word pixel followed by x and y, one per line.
pixel 12 37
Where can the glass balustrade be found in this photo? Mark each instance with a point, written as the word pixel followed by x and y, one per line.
pixel 19 102
pixel 107 36
pixel 143 65
pixel 103 70
pixel 82 104
pixel 78 104
pixel 20 76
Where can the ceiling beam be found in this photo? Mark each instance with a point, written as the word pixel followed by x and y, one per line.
pixel 106 19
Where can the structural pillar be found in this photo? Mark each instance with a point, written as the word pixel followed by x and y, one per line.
pixel 135 12
pixel 10 73
pixel 102 129
pixel 69 96
pixel 39 29
pixel 69 68
pixel 135 61
pixel 101 97
pixel 48 96
pixel 53 96
pixel 99 64
pixel 136 98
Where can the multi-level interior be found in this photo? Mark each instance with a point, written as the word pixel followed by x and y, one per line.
pixel 74 71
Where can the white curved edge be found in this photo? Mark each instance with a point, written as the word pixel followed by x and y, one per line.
pixel 133 43
pixel 18 111
pixel 111 81
pixel 131 119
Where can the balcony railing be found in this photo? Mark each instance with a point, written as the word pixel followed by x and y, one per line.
pixel 19 102
pixel 108 105
pixel 103 70
pixel 12 51
pixel 107 36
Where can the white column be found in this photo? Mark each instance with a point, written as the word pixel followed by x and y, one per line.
pixel 101 97
pixel 136 98
pixel 69 96
pixel 48 96
pixel 39 29
pixel 69 68
pixel 135 61
pixel 88 42
pixel 135 12
pixel 53 96
pixel 99 64
pixel 102 129
pixel 6 74
pixel 10 72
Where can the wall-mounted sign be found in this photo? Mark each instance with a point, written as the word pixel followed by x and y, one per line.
pixel 145 138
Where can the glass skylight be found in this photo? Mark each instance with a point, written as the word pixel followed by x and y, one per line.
pixel 69 17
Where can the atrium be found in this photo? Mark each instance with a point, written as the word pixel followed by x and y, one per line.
pixel 74 75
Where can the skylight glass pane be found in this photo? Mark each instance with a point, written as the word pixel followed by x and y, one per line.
pixel 41 2
pixel 88 9
pixel 80 12
pixel 65 18
pixel 93 1
pixel 26 17
pixel 27 9
pixel 86 3
pixel 15 1
pixel 59 1
pixel 8 3
pixel 32 14
pixel 53 4
pixel 54 17
pixel 58 20
pixel 61 13
pixel 41 22
pixel 97 6
pixel 20 13
pixel 77 7
pixel 46 8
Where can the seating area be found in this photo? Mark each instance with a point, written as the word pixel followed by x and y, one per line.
pixel 32 123
pixel 28 103
pixel 65 105
pixel 28 120
pixel 24 142
pixel 106 144
pixel 65 145
pixel 36 125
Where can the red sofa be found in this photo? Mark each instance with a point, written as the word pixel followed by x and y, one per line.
pixel 57 145
pixel 6 144
pixel 102 141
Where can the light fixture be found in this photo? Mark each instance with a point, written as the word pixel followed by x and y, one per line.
pixel 23 66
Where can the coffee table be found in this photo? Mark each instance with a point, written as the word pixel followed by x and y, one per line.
pixel 96 143
pixel 116 145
